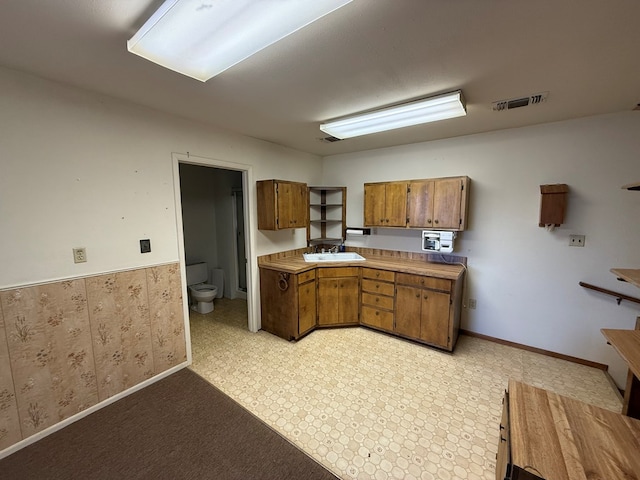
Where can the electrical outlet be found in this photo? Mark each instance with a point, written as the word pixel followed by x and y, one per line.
pixel 472 304
pixel 79 255
pixel 576 240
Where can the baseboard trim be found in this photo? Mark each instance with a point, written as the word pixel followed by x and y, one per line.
pixel 549 353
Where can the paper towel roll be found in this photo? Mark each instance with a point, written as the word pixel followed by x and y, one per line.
pixel 351 231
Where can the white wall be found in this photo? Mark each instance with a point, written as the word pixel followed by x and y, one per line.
pixel 525 279
pixel 81 169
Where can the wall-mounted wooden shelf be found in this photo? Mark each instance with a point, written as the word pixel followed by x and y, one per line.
pixel 628 274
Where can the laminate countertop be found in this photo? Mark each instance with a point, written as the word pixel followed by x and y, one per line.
pixel 297 264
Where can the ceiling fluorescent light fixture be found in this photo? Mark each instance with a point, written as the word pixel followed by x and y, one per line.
pixel 432 109
pixel 202 38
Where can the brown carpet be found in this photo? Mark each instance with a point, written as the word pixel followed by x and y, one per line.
pixel 178 428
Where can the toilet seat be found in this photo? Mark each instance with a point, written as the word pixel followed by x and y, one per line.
pixel 203 295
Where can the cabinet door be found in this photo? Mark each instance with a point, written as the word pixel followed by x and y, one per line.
pixel 292 205
pixel 396 205
pixel 306 307
pixel 420 204
pixel 408 311
pixel 434 321
pixel 328 300
pixel 447 199
pixel 348 299
pixel 300 207
pixel 374 204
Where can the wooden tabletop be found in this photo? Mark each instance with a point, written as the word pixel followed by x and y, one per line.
pixel 628 274
pixel 559 438
pixel 627 344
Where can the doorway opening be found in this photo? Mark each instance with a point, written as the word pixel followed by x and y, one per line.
pixel 213 218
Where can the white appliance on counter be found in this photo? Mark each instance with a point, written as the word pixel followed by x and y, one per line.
pixel 437 241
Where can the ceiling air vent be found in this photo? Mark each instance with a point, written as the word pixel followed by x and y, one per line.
pixel 331 139
pixel 520 102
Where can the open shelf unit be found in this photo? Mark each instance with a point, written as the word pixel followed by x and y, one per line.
pixel 327 215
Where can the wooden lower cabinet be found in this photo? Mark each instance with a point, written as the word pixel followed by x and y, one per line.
pixel 338 293
pixel 417 307
pixel 377 299
pixel 425 309
pixel 288 302
pixel 307 313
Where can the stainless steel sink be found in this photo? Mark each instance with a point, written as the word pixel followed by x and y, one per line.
pixel 333 257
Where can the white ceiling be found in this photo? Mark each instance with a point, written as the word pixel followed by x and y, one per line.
pixel 585 53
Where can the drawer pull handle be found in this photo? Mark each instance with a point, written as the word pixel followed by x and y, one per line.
pixel 502 439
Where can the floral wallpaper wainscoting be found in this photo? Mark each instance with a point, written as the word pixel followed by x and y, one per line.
pixel 66 346
pixel 50 352
pixel 167 325
pixel 119 314
pixel 9 420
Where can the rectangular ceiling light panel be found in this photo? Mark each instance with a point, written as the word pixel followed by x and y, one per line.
pixel 431 109
pixel 202 38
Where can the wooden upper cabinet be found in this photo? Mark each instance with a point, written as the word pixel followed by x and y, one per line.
pixel 420 204
pixel 438 203
pixel 449 203
pixel 385 204
pixel 282 204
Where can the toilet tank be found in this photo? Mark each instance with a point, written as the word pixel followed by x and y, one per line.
pixel 197 273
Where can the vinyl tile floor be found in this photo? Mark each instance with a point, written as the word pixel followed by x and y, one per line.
pixel 371 406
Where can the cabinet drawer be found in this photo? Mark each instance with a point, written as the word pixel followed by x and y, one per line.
pixel 305 277
pixel 374 286
pixel 325 272
pixel 378 274
pixel 377 301
pixel 377 318
pixel 426 282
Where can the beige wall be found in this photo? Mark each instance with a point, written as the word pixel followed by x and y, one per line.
pixel 524 278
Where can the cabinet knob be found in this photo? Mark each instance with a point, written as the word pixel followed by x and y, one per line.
pixel 436 222
pixel 377 274
pixel 429 221
pixel 426 297
pixel 387 220
pixel 417 295
pixel 377 286
pixel 377 300
pixel 502 439
pixel 377 313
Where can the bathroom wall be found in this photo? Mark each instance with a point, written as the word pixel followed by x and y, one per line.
pixel 207 217
pixel 66 346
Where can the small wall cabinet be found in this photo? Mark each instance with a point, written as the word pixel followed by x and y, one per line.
pixel 553 204
pixel 437 203
pixel 327 215
pixel 281 204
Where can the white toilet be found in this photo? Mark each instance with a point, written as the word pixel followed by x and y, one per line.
pixel 201 293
